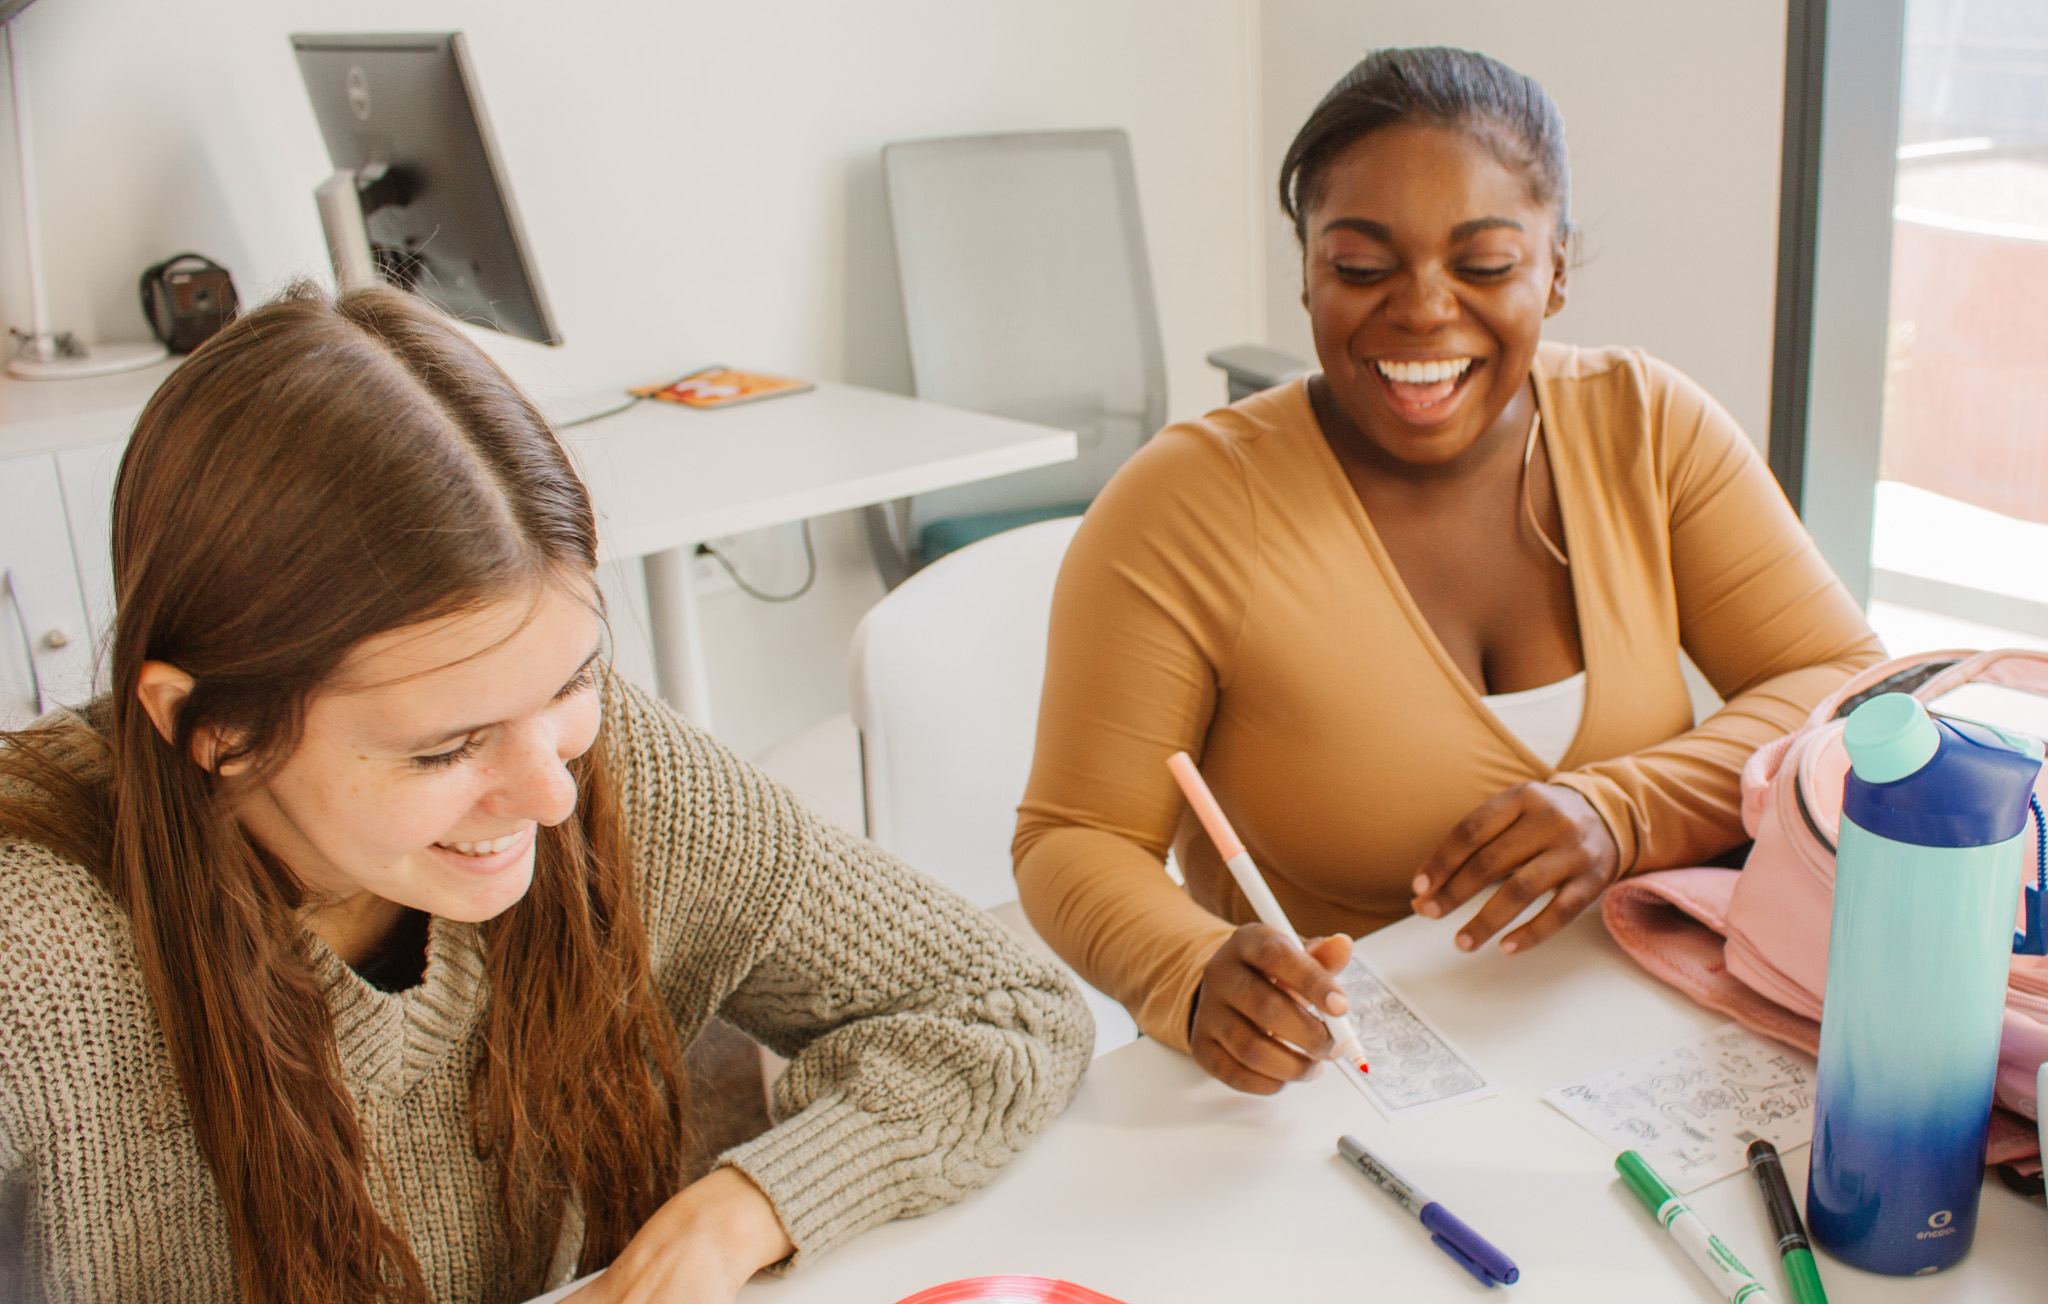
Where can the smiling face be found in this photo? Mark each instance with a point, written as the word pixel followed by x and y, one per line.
pixel 1428 269
pixel 421 780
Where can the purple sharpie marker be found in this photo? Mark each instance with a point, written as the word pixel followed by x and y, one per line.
pixel 1471 1250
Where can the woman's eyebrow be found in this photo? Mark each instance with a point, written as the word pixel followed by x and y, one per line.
pixel 1466 230
pixel 571 682
pixel 428 744
pixel 1383 233
pixel 1379 231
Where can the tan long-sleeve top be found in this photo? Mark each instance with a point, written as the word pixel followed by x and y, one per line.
pixel 927 1045
pixel 1226 595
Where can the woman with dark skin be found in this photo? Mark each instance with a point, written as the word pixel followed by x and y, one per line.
pixel 1434 231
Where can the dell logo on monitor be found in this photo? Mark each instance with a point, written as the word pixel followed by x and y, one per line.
pixel 359 93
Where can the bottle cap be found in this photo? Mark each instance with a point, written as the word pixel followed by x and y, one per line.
pixel 1889 737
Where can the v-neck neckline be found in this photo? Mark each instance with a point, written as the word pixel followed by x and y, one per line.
pixel 388 1041
pixel 1563 485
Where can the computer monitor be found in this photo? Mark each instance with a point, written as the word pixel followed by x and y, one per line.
pixel 419 197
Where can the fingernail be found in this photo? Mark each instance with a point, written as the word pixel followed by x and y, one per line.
pixel 1510 947
pixel 1421 884
pixel 1336 1003
pixel 1315 1071
pixel 1464 942
pixel 1432 909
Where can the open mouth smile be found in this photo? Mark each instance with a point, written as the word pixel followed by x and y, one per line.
pixel 1425 392
pixel 488 855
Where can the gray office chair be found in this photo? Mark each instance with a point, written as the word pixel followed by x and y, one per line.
pixel 1026 293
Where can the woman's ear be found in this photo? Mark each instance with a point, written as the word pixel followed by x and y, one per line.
pixel 1560 273
pixel 162 689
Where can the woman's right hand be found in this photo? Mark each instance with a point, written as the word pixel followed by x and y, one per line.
pixel 1250 1030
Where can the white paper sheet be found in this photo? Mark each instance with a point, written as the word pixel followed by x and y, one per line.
pixel 1414 1065
pixel 1691 1111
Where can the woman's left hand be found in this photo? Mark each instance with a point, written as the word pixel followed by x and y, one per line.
pixel 1532 839
pixel 699 1248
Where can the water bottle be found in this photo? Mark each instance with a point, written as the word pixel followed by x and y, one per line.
pixel 1927 883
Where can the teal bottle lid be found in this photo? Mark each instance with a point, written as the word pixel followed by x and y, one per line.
pixel 1889 737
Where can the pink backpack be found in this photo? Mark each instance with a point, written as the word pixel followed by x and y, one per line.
pixel 1753 943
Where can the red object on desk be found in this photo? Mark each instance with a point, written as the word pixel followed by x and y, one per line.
pixel 1009 1290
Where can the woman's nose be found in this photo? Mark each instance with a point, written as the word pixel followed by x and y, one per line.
pixel 534 781
pixel 1422 302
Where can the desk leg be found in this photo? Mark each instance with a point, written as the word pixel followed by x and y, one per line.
pixel 678 633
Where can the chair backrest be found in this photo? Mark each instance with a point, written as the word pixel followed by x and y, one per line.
pixel 1027 293
pixel 946 674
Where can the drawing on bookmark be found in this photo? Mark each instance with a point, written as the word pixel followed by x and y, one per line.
pixel 1692 1110
pixel 1414 1066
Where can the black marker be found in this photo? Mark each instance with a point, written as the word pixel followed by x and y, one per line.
pixel 1793 1248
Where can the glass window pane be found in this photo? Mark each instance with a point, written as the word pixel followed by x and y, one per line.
pixel 1961 529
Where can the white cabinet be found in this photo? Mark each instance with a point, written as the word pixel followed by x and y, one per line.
pixel 46 642
pixel 86 476
pixel 60 447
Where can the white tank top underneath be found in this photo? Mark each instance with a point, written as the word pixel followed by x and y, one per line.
pixel 1546 719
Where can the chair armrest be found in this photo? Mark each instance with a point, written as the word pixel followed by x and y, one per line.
pixel 1254 367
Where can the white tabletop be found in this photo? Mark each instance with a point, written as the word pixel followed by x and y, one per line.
pixel 1159 1186
pixel 662 475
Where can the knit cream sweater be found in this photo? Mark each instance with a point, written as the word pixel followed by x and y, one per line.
pixel 926 1045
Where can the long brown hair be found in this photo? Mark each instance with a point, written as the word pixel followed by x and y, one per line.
pixel 320 472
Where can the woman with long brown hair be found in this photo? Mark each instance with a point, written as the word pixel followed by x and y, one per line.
pixel 349 945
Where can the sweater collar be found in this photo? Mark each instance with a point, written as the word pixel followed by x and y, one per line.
pixel 389 1041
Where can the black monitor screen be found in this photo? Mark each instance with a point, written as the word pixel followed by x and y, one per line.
pixel 403 113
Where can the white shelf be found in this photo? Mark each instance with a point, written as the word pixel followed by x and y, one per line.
pixel 47 416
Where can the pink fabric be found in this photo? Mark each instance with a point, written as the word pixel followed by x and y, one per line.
pixel 1672 923
pixel 1754 945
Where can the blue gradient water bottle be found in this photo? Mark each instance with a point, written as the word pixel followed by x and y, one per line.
pixel 1927 882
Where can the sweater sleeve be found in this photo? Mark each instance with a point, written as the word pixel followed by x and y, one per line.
pixel 927 1045
pixel 1759 611
pixel 1145 621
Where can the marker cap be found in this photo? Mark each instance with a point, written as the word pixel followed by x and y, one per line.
pixel 1468 1247
pixel 1642 1180
pixel 1804 1275
pixel 1192 786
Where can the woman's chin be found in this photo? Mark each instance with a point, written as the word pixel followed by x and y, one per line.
pixel 472 898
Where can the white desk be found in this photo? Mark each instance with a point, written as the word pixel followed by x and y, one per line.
pixel 664 478
pixel 1160 1186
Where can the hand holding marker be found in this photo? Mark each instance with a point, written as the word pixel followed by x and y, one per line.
pixel 1347 1052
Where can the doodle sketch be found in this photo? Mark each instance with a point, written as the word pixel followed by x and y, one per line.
pixel 1414 1066
pixel 1691 1111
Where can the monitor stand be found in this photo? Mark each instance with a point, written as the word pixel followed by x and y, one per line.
pixel 340 200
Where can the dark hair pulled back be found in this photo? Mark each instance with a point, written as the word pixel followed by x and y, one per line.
pixel 1511 114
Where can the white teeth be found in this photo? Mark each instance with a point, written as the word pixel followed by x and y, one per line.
pixel 490 848
pixel 1423 373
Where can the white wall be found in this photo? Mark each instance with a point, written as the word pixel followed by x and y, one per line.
pixel 1672 112
pixel 699 182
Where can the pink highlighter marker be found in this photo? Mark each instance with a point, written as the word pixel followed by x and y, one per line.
pixel 1249 881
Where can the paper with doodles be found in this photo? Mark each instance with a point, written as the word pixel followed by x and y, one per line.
pixel 1691 1111
pixel 1413 1064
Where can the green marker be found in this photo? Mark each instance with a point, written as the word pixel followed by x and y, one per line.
pixel 1793 1249
pixel 1700 1245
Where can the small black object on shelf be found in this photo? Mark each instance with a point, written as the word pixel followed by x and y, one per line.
pixel 187 299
